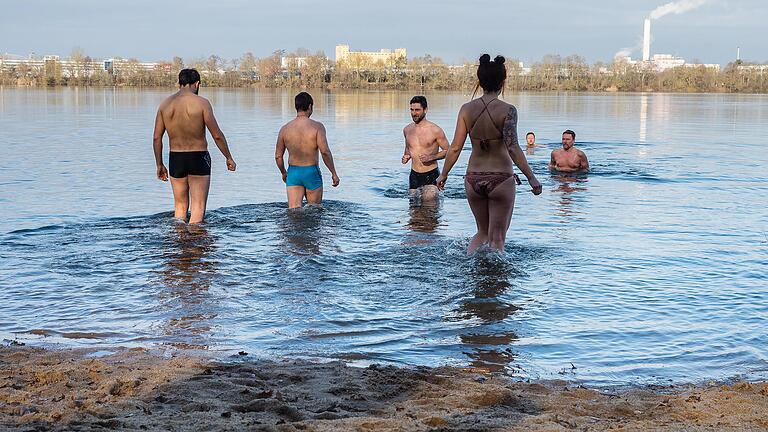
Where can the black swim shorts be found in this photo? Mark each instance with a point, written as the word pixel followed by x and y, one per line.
pixel 417 179
pixel 182 164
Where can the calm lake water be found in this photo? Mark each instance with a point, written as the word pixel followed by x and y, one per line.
pixel 650 269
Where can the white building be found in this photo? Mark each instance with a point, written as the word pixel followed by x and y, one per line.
pixel 662 62
pixel 713 66
pixel 384 55
pixel 298 62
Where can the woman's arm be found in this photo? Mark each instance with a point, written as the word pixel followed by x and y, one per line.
pixel 453 152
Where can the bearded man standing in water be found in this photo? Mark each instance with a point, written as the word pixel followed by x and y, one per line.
pixel 185 115
pixel 425 144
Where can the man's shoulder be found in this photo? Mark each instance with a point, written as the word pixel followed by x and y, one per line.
pixel 435 128
pixel 200 100
pixel 317 125
pixel 408 127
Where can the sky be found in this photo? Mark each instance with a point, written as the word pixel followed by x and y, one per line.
pixel 153 30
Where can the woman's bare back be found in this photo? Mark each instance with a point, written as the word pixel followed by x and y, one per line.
pixel 485 119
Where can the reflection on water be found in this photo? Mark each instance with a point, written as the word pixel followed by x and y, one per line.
pixel 300 229
pixel 643 117
pixel 568 185
pixel 186 277
pixel 490 277
pixel 424 217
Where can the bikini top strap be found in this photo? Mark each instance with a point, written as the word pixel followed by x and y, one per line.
pixel 485 109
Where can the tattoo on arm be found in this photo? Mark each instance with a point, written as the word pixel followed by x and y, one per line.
pixel 510 129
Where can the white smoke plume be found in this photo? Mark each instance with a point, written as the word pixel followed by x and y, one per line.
pixel 624 52
pixel 675 7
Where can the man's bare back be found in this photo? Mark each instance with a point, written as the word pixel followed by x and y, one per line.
pixel 304 139
pixel 184 116
pixel 301 136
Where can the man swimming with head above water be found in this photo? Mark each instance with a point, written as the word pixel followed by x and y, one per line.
pixel 568 159
pixel 304 138
pixel 425 144
pixel 530 143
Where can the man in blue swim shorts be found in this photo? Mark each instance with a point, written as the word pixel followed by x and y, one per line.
pixel 304 139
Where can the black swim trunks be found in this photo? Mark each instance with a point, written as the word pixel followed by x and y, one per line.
pixel 182 164
pixel 417 179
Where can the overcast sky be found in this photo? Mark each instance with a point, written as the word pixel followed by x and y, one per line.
pixel 454 30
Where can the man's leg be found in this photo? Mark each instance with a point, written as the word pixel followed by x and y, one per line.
pixel 315 196
pixel 180 188
pixel 198 192
pixel 429 193
pixel 295 196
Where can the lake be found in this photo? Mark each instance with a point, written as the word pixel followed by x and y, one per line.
pixel 651 269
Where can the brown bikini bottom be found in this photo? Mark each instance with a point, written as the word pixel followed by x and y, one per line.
pixel 483 183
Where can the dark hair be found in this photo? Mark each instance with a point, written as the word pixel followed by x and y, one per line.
pixel 491 73
pixel 421 100
pixel 571 133
pixel 188 77
pixel 303 101
pixel 530 133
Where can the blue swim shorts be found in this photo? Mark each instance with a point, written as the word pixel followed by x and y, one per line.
pixel 307 176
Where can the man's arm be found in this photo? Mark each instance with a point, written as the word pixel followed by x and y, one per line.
pixel 552 163
pixel 218 135
pixel 515 152
pixel 325 151
pixel 453 152
pixel 406 153
pixel 442 143
pixel 157 145
pixel 279 152
pixel 583 162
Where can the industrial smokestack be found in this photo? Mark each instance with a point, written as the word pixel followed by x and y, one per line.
pixel 647 40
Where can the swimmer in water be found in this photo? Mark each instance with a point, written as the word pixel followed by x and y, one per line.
pixel 530 143
pixel 185 116
pixel 569 159
pixel 304 138
pixel 425 144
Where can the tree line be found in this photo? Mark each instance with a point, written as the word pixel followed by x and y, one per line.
pixel 303 68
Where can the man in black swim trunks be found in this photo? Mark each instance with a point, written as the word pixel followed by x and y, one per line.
pixel 185 115
pixel 425 144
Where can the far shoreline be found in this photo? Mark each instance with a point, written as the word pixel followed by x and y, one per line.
pixel 373 89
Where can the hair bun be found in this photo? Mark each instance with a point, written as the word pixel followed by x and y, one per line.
pixel 485 58
pixel 499 59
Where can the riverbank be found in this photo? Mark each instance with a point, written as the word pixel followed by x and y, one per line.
pixel 142 390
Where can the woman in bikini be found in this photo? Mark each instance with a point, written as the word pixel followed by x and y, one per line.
pixel 490 181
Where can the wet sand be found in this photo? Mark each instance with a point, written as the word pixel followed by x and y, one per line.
pixel 141 390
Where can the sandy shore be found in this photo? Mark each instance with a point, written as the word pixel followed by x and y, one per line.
pixel 138 390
